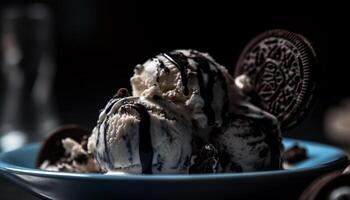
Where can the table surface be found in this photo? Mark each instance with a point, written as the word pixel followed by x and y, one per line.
pixel 10 191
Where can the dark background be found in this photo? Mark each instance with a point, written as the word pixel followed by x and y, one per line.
pixel 97 44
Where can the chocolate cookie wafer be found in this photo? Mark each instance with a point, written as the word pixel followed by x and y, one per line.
pixel 333 186
pixel 283 71
pixel 52 149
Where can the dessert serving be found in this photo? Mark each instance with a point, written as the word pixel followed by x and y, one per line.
pixel 187 114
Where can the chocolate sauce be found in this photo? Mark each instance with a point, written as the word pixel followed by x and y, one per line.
pixel 181 65
pixel 161 66
pixel 145 143
pixel 225 105
pixel 107 156
pixel 206 88
pixel 224 87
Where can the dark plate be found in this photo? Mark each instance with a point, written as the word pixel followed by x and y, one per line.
pixel 18 166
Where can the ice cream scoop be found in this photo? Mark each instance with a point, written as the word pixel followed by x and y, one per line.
pixel 249 140
pixel 190 79
pixel 145 134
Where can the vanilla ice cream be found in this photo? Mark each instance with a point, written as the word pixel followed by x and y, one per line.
pixel 145 134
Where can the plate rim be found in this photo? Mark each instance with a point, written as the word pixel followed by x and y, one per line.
pixel 9 168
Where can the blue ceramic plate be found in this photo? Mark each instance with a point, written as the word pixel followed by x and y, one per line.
pixel 18 166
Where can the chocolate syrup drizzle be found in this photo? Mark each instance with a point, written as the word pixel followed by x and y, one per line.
pixel 145 143
pixel 206 89
pixel 105 156
pixel 182 69
pixel 161 67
